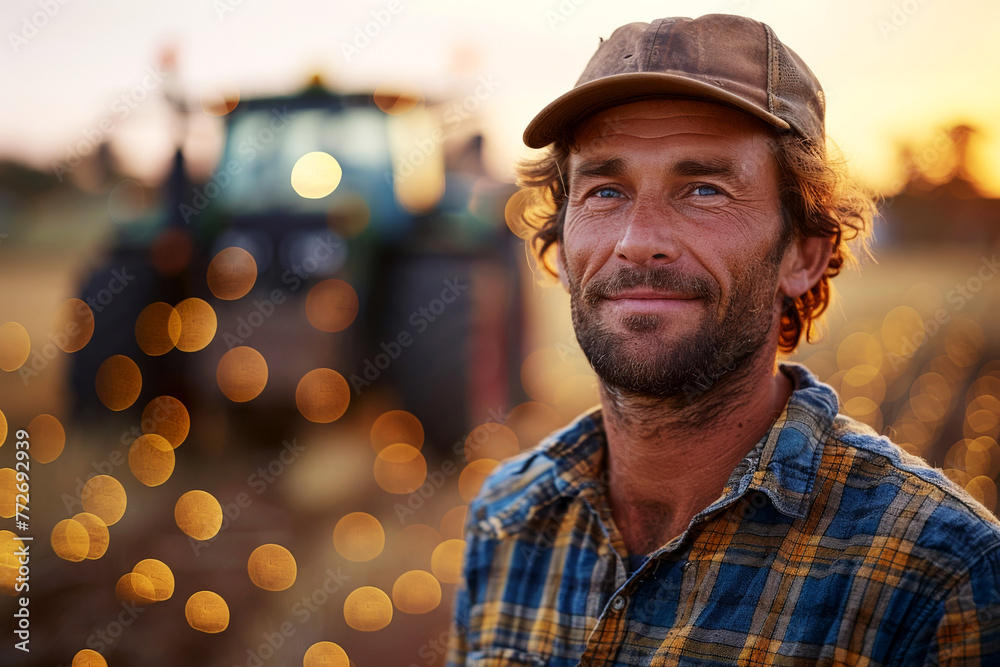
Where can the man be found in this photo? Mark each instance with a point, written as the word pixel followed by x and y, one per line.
pixel 715 509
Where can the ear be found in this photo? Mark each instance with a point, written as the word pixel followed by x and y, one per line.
pixel 805 261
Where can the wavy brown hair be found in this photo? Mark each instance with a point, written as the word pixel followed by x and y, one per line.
pixel 817 197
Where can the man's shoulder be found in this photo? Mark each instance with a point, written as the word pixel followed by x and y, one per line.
pixel 882 482
pixel 521 484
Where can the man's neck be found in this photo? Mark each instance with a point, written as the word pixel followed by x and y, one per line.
pixel 670 458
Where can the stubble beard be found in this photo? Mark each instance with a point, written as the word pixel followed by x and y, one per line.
pixel 670 365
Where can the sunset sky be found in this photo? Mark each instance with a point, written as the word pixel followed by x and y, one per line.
pixel 893 71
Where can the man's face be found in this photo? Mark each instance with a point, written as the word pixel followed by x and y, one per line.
pixel 672 246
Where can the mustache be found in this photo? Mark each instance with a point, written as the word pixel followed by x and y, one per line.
pixel 667 278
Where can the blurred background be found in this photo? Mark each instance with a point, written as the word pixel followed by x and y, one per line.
pixel 259 251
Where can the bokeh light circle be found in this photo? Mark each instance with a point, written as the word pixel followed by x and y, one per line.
pixel 97 533
pixel 70 540
pixel 453 522
pixel 242 374
pixel 198 324
pixel 73 326
pixel 325 654
pixel 491 441
pixel 400 469
pixel 48 438
pixel 159 575
pixel 416 592
pixel 417 541
pixel 104 496
pixel 359 537
pixel 315 175
pixel 198 514
pixel 151 459
pixel 368 609
pixel 396 426
pixel 322 395
pixel 272 567
pixel 15 346
pixel 118 382
pixel 332 305
pixel 157 328
pixel 473 476
pixel 88 658
pixel 231 273
pixel 166 416
pixel 135 588
pixel 207 612
pixel 8 492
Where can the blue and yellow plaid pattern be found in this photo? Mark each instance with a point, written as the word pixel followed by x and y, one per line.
pixel 829 546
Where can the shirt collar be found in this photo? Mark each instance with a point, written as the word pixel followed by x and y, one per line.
pixel 782 465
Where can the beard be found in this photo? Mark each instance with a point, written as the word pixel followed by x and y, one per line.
pixel 685 365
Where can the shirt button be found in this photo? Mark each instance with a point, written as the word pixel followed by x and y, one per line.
pixel 618 603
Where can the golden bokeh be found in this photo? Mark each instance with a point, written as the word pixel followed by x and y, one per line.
pixel 221 103
pixel 70 540
pixel 15 346
pixel 3 428
pixel 984 402
pixel 986 385
pixel 272 567
pixel 198 514
pixel 472 477
pixel 541 372
pixel 242 374
pixel 135 588
pixel 231 273
pixel 519 222
pixel 417 541
pixel 902 331
pixel 48 438
pixel 960 477
pixel 532 421
pixel 446 561
pixel 453 522
pixel 976 457
pixel 104 496
pixel 928 408
pixel 159 575
pixel 8 492
pixel 861 408
pixel 416 592
pixel 368 609
pixel 206 611
pixel 97 532
pixel 983 489
pixel 863 381
pixel 858 349
pixel 400 468
pixel 198 324
pixel 397 426
pixel 394 101
pixel 73 326
pixel 118 382
pixel 151 459
pixel 166 416
pixel 934 384
pixel 157 329
pixel 322 395
pixel 88 658
pixel 315 175
pixel 332 305
pixel 325 654
pixel 359 537
pixel 491 441
pixel 981 422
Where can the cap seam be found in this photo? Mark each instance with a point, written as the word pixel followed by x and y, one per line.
pixel 771 67
pixel 652 46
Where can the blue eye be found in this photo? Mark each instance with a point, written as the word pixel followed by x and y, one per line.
pixel 606 193
pixel 706 190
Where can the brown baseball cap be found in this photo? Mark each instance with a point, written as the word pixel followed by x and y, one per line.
pixel 717 57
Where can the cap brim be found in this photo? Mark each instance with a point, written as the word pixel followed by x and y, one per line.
pixel 587 99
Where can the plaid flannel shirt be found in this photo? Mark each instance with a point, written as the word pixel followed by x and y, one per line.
pixel 829 546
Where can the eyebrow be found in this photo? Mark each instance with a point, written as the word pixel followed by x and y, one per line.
pixel 614 167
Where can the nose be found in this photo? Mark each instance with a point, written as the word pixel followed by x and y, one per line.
pixel 649 236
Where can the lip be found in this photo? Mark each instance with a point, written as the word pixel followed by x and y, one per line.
pixel 645 294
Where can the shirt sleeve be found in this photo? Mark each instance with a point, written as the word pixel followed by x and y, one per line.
pixel 968 621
